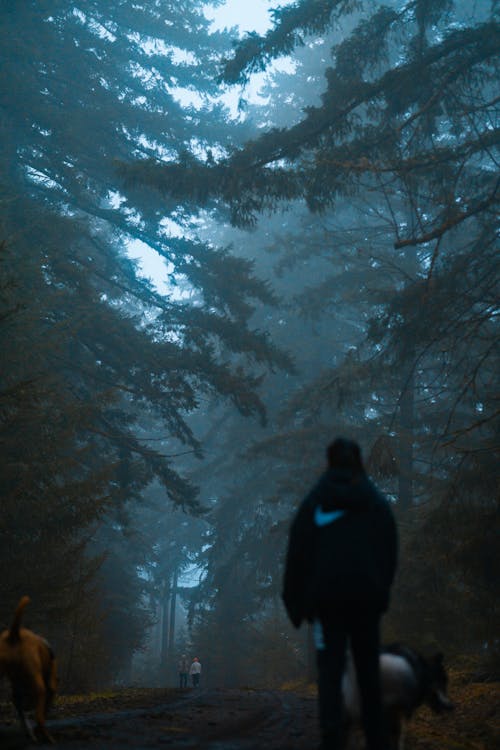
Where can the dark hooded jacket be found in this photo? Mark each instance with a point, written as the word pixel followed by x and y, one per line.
pixel 342 550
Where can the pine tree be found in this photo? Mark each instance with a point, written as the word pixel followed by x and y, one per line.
pixel 95 352
pixel 405 144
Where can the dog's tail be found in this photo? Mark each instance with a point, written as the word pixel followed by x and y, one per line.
pixel 16 622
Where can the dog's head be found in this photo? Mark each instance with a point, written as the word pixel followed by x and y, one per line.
pixel 437 685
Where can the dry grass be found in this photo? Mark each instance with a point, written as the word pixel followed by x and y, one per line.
pixel 473 725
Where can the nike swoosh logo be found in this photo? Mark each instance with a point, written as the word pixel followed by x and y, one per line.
pixel 323 518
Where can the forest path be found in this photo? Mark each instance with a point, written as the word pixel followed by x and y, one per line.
pixel 244 719
pixel 204 719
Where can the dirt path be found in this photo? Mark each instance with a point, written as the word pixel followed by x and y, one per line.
pixel 244 719
pixel 204 719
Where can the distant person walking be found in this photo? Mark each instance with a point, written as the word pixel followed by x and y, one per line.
pixel 195 671
pixel 341 561
pixel 183 669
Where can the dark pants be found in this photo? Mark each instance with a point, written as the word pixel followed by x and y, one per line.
pixel 196 679
pixel 361 632
pixel 183 679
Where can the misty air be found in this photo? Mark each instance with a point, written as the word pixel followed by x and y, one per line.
pixel 249 368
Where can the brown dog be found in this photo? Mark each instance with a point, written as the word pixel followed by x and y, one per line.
pixel 28 662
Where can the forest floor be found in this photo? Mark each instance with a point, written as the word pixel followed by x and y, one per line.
pixel 245 719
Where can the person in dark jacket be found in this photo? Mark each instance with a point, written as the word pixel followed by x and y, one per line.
pixel 183 669
pixel 340 564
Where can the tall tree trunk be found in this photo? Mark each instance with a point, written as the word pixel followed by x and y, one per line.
pixel 406 427
pixel 171 624
pixel 407 400
pixel 164 631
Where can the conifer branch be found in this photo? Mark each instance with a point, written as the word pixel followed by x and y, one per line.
pixel 451 222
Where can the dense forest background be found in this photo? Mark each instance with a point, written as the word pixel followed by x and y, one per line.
pixel 330 266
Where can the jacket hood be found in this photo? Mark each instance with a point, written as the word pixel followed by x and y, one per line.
pixel 342 489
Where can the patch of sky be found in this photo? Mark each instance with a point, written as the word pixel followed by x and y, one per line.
pixel 138 101
pixel 133 217
pixel 161 151
pixel 40 178
pixel 151 265
pixel 202 222
pixel 101 31
pixel 171 228
pixel 192 576
pixel 246 18
pixel 149 77
pixel 114 199
pixel 202 152
pixel 187 97
pixel 253 90
pixel 153 46
pixel 158 270
pixel 94 26
pixel 80 15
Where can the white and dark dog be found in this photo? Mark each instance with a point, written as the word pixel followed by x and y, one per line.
pixel 409 680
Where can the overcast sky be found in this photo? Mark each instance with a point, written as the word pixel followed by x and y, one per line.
pixel 249 15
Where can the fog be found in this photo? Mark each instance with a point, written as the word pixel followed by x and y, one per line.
pixel 227 237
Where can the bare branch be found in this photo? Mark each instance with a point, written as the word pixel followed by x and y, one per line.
pixel 452 222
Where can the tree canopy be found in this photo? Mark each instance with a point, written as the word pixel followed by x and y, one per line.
pixel 329 265
pixel 101 369
pixel 398 167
